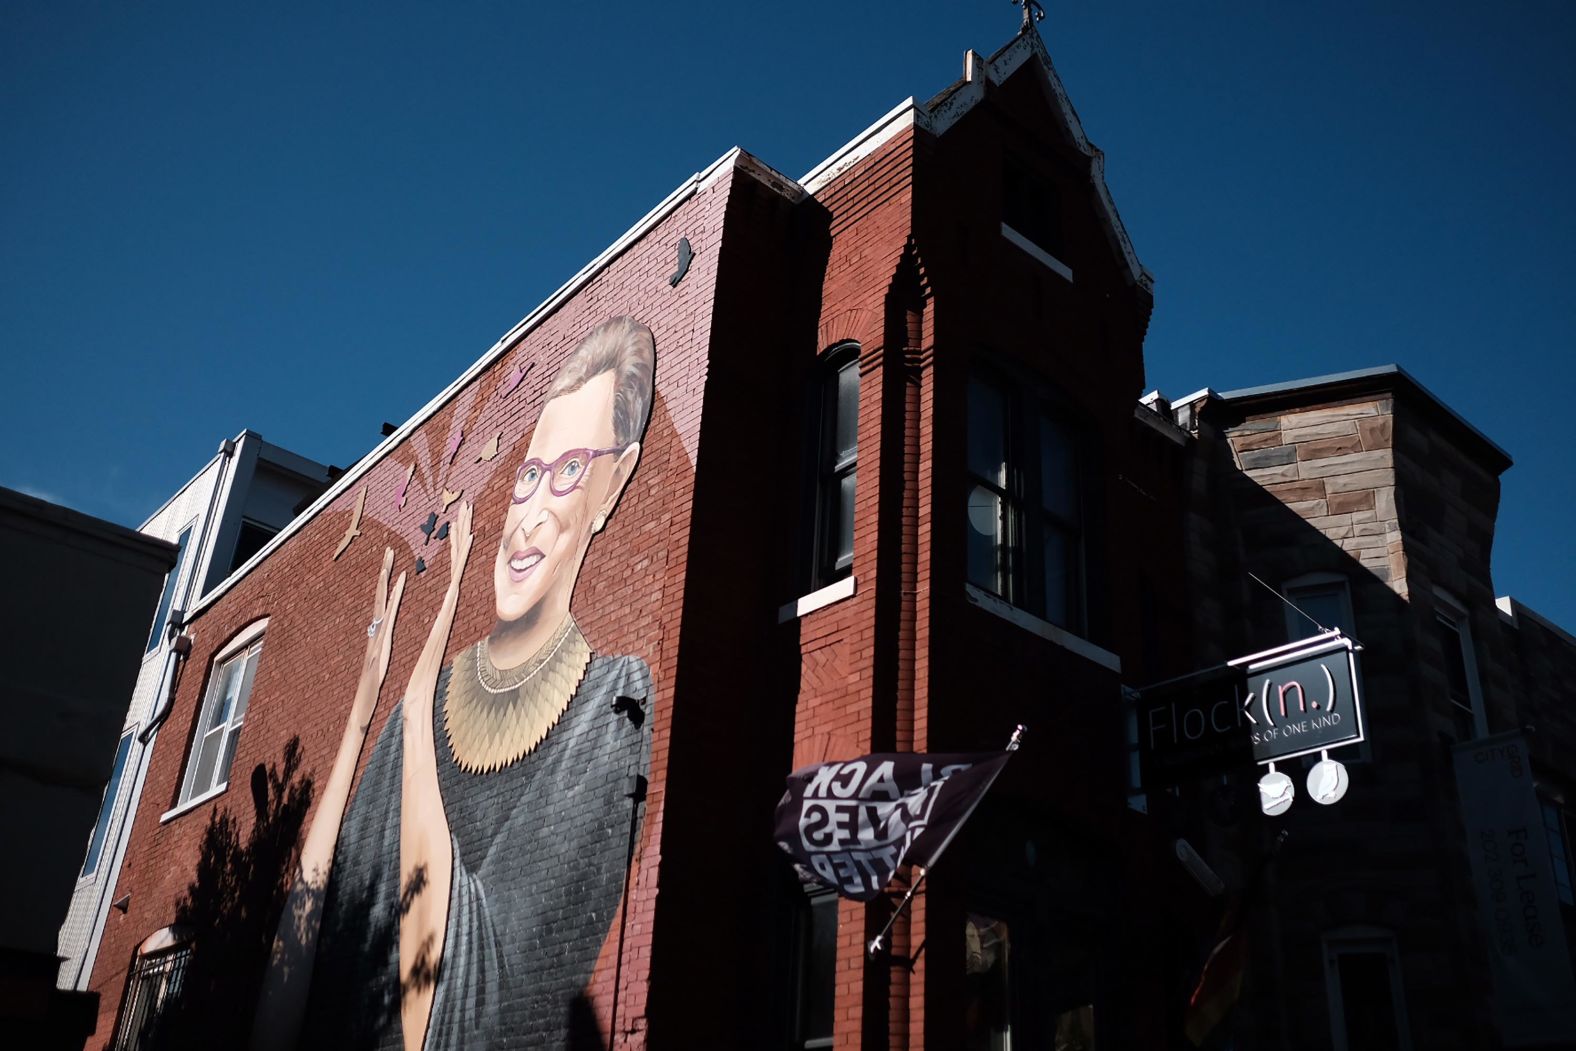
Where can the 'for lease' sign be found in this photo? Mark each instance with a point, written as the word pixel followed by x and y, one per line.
pixel 1534 996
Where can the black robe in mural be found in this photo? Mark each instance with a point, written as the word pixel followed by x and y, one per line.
pixel 540 853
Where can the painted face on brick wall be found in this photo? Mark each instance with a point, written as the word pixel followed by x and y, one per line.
pixel 571 474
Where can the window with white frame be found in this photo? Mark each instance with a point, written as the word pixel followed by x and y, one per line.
pixel 1025 502
pixel 223 711
pixel 1362 977
pixel 836 465
pixel 1458 659
pixel 107 806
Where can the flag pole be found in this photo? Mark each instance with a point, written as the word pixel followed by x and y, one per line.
pixel 875 945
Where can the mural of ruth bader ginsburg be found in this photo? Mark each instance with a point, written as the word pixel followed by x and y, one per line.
pixel 463 897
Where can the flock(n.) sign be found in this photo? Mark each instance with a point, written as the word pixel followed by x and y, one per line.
pixel 1302 697
pixel 1288 701
pixel 1193 727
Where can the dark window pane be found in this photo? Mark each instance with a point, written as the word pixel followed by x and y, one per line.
pixel 1075 1029
pixel 986 539
pixel 207 759
pixel 1367 1001
pixel 168 598
pixel 1025 486
pixel 1058 471
pixel 1325 603
pixel 1030 205
pixel 1451 642
pixel 224 694
pixel 245 693
pixel 988 1003
pixel 844 546
pixel 817 970
pixel 846 436
pixel 107 807
pixel 1559 852
pixel 837 445
pixel 987 432
pixel 1059 577
pixel 250 542
pixel 231 738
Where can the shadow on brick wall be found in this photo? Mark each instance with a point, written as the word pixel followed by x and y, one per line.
pixel 232 906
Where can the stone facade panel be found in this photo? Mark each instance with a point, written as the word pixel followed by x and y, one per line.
pixel 1358 501
pixel 1266 475
pixel 1306 432
pixel 1274 457
pixel 1347 483
pixel 1255 440
pixel 1342 445
pixel 1351 463
pixel 1377 432
pixel 1295 492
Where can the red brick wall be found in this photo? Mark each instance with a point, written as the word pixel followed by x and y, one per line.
pixel 917 272
pixel 628 599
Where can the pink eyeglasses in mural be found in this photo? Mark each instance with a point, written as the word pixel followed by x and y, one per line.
pixel 568 471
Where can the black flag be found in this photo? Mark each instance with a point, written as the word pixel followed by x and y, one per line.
pixel 850 824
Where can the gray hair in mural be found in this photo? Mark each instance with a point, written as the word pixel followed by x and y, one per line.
pixel 462 897
pixel 621 346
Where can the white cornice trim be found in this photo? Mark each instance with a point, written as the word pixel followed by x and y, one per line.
pixel 691 186
pixel 766 175
pixel 905 114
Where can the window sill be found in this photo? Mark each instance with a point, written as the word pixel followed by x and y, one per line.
pixel 193 803
pixel 983 599
pixel 834 592
pixel 1055 265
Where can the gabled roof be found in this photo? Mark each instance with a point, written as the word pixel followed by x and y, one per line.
pixel 949 106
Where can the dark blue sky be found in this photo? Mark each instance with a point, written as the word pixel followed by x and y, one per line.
pixel 309 221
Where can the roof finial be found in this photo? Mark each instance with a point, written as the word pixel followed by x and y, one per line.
pixel 1032 13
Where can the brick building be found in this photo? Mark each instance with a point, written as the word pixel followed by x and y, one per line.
pixel 896 492
pixel 220 518
pixel 1370 504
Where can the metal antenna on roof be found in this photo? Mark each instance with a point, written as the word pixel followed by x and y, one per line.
pixel 1032 13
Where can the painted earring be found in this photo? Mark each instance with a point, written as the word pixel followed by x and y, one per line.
pixel 598 522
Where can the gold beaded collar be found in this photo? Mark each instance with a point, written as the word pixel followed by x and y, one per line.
pixel 495 717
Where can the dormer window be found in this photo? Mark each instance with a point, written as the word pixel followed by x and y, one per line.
pixel 1031 214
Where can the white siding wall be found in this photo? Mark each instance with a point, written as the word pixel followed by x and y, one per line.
pixel 94 893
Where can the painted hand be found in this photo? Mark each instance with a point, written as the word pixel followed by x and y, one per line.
pixel 380 640
pixel 460 538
